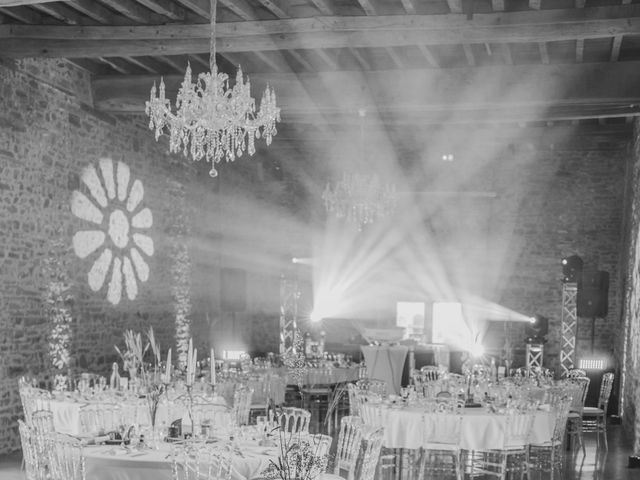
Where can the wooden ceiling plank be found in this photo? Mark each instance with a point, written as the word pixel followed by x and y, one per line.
pixel 367 6
pixel 131 9
pixel 199 7
pixel 197 59
pixel 506 53
pixel 328 59
pixel 62 13
pixel 178 39
pixel 324 6
pixel 117 64
pixel 544 52
pixel 265 58
pixel 580 50
pixel 497 5
pixel 364 63
pixel 275 7
pixel 615 48
pixel 455 6
pixel 240 8
pixel 178 64
pixel 168 8
pixel 535 4
pixel 94 10
pixel 409 6
pixel 468 53
pixel 18 3
pixel 143 63
pixel 428 55
pixel 603 89
pixel 397 60
pixel 23 14
pixel 301 60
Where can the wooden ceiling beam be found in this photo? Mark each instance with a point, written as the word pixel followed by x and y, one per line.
pixel 397 61
pixel 131 9
pixel 199 7
pixel 143 63
pixel 22 14
pixel 301 60
pixel 584 90
pixel 367 6
pixel 428 55
pixel 240 8
pixel 364 63
pixel 168 8
pixel 118 64
pixel 324 32
pixel 275 7
pixel 409 6
pixel 324 6
pixel 328 59
pixel 178 64
pixel 18 3
pixel 615 48
pixel 94 10
pixel 62 13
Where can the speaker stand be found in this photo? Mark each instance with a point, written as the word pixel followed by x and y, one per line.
pixel 535 353
pixel 569 326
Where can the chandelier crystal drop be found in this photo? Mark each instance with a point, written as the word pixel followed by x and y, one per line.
pixel 360 199
pixel 213 120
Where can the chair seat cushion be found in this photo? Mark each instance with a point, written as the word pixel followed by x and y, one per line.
pixel 441 446
pixel 574 415
pixel 592 411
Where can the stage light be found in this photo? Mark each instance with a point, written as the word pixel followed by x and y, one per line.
pixel 295 260
pixel 315 316
pixel 532 320
pixel 571 269
pixel 537 330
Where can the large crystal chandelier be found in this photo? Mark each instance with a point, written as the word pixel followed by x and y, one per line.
pixel 211 119
pixel 360 198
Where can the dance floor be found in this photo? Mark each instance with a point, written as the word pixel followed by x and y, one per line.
pixel 595 465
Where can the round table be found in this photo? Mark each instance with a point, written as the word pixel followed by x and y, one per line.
pixel 480 430
pixel 106 462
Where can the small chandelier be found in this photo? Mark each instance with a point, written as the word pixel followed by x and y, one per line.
pixel 360 198
pixel 212 120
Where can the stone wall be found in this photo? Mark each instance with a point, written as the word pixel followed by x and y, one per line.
pixel 630 332
pixel 48 134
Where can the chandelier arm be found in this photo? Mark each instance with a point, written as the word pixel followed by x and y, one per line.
pixel 212 40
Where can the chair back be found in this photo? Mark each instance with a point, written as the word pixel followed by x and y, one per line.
pixel 441 429
pixel 353 400
pixel 518 428
pixel 97 420
pixel 33 468
pixel 371 446
pixel 349 441
pixel 561 408
pixel 32 398
pixel 605 391
pixel 198 461
pixel 294 420
pixel 242 404
pixel 430 373
pixel 66 457
pixel 581 386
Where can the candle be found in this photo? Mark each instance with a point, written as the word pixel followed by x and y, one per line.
pixel 193 369
pixel 212 362
pixel 167 370
pixel 189 362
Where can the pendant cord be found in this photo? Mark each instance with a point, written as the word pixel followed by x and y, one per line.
pixel 212 40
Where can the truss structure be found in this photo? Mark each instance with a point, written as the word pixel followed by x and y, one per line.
pixel 569 327
pixel 535 354
pixel 288 313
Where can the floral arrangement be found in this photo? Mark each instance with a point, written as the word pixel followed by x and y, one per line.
pixel 151 377
pixel 181 291
pixel 301 456
pixel 295 360
pixel 57 299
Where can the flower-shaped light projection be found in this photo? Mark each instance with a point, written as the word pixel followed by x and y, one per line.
pixel 114 210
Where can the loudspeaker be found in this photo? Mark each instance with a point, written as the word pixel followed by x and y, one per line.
pixel 593 295
pixel 233 290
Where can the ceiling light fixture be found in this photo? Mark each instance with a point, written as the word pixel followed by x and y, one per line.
pixel 213 120
pixel 360 198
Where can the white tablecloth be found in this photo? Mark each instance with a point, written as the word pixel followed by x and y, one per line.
pixel 386 363
pixel 113 463
pixel 480 430
pixel 66 412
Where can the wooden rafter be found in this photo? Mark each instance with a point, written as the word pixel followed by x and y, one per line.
pixel 17 3
pixel 428 55
pixel 367 6
pixel 409 6
pixel 199 7
pixel 580 50
pixel 168 8
pixel 324 6
pixel 497 5
pixel 93 9
pixel 468 53
pixel 615 48
pixel 22 14
pixel 328 59
pixel 143 63
pixel 397 60
pixel 455 6
pixel 276 7
pixel 240 8
pixel 301 60
pixel 131 9
pixel 61 12
pixel 544 52
pixel 364 63
pixel 529 91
